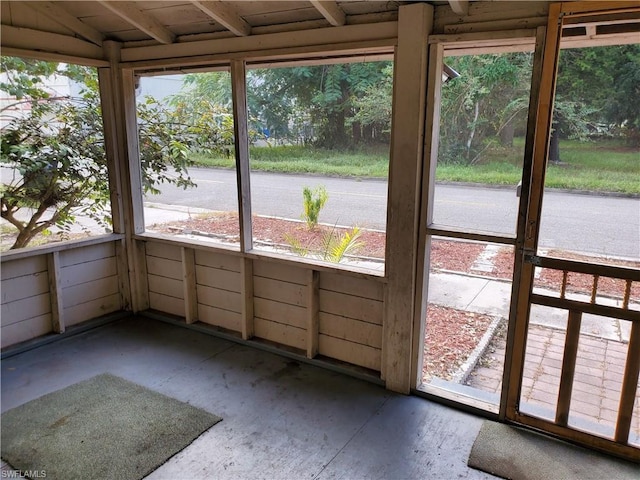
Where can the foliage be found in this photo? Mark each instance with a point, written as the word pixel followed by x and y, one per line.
pixel 487 100
pixel 56 151
pixel 335 247
pixel 53 152
pixel 605 81
pixel 314 104
pixel 296 245
pixel 313 202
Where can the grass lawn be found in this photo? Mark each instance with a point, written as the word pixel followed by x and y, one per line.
pixel 594 166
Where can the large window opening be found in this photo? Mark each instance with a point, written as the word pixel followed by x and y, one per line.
pixel 472 228
pixel 186 141
pixel 54 170
pixel 319 158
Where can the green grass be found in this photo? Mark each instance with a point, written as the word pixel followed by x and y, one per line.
pixel 371 162
pixel 594 166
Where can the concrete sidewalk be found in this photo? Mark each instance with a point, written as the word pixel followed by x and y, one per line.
pixel 492 297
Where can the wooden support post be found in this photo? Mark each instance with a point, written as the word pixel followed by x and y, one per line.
pixel 246 274
pixel 121 142
pixel 313 312
pixel 189 284
pixel 415 22
pixel 629 386
pixel 568 367
pixel 535 161
pixel 241 130
pixel 55 291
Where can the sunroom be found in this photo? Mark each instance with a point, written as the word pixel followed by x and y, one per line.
pixel 301 194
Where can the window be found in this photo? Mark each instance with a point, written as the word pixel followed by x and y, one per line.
pixel 54 171
pixel 186 139
pixel 319 159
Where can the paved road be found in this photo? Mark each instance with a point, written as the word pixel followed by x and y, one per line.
pixel 605 225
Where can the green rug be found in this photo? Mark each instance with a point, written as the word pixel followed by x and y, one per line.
pixel 101 428
pixel 519 454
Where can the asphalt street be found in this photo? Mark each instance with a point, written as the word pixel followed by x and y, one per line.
pixel 600 224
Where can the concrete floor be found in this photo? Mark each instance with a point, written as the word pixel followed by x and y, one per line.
pixel 281 419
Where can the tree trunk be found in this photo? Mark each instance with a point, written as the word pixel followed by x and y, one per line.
pixel 554 145
pixel 507 133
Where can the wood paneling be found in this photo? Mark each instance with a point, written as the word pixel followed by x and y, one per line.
pixel 92 309
pixel 164 303
pixel 22 331
pixel 224 299
pixel 88 271
pixel 165 286
pixel 280 312
pixel 279 333
pixel 220 317
pixel 222 279
pixel 20 310
pixel 347 351
pixel 351 330
pixel 362 287
pixel 218 260
pixel 351 306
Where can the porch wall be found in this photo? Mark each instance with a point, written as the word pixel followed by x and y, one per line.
pixel 310 309
pixel 49 289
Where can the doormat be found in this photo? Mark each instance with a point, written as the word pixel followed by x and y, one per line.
pixel 519 454
pixel 101 428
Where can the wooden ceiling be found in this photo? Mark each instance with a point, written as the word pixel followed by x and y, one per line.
pixel 166 22
pixel 77 30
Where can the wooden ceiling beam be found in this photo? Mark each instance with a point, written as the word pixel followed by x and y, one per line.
pixel 59 15
pixel 459 7
pixel 129 12
pixel 225 15
pixel 331 11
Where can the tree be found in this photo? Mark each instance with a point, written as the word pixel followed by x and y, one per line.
pixel 55 150
pixel 314 103
pixel 482 107
pixel 595 91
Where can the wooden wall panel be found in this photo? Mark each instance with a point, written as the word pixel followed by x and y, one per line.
pixel 24 286
pixel 350 319
pixel 26 308
pixel 218 260
pixel 339 349
pixel 361 287
pixel 32 328
pixel 22 267
pixel 220 317
pixel 223 299
pixel 285 292
pixel 87 272
pixel 26 302
pixel 279 312
pixel 167 304
pixel 280 298
pixel 351 330
pixel 92 309
pixel 44 292
pixel 165 286
pixel 218 289
pixel 280 333
pixel 351 306
pixel 165 278
pixel 280 271
pixel 216 278
pixel 89 282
